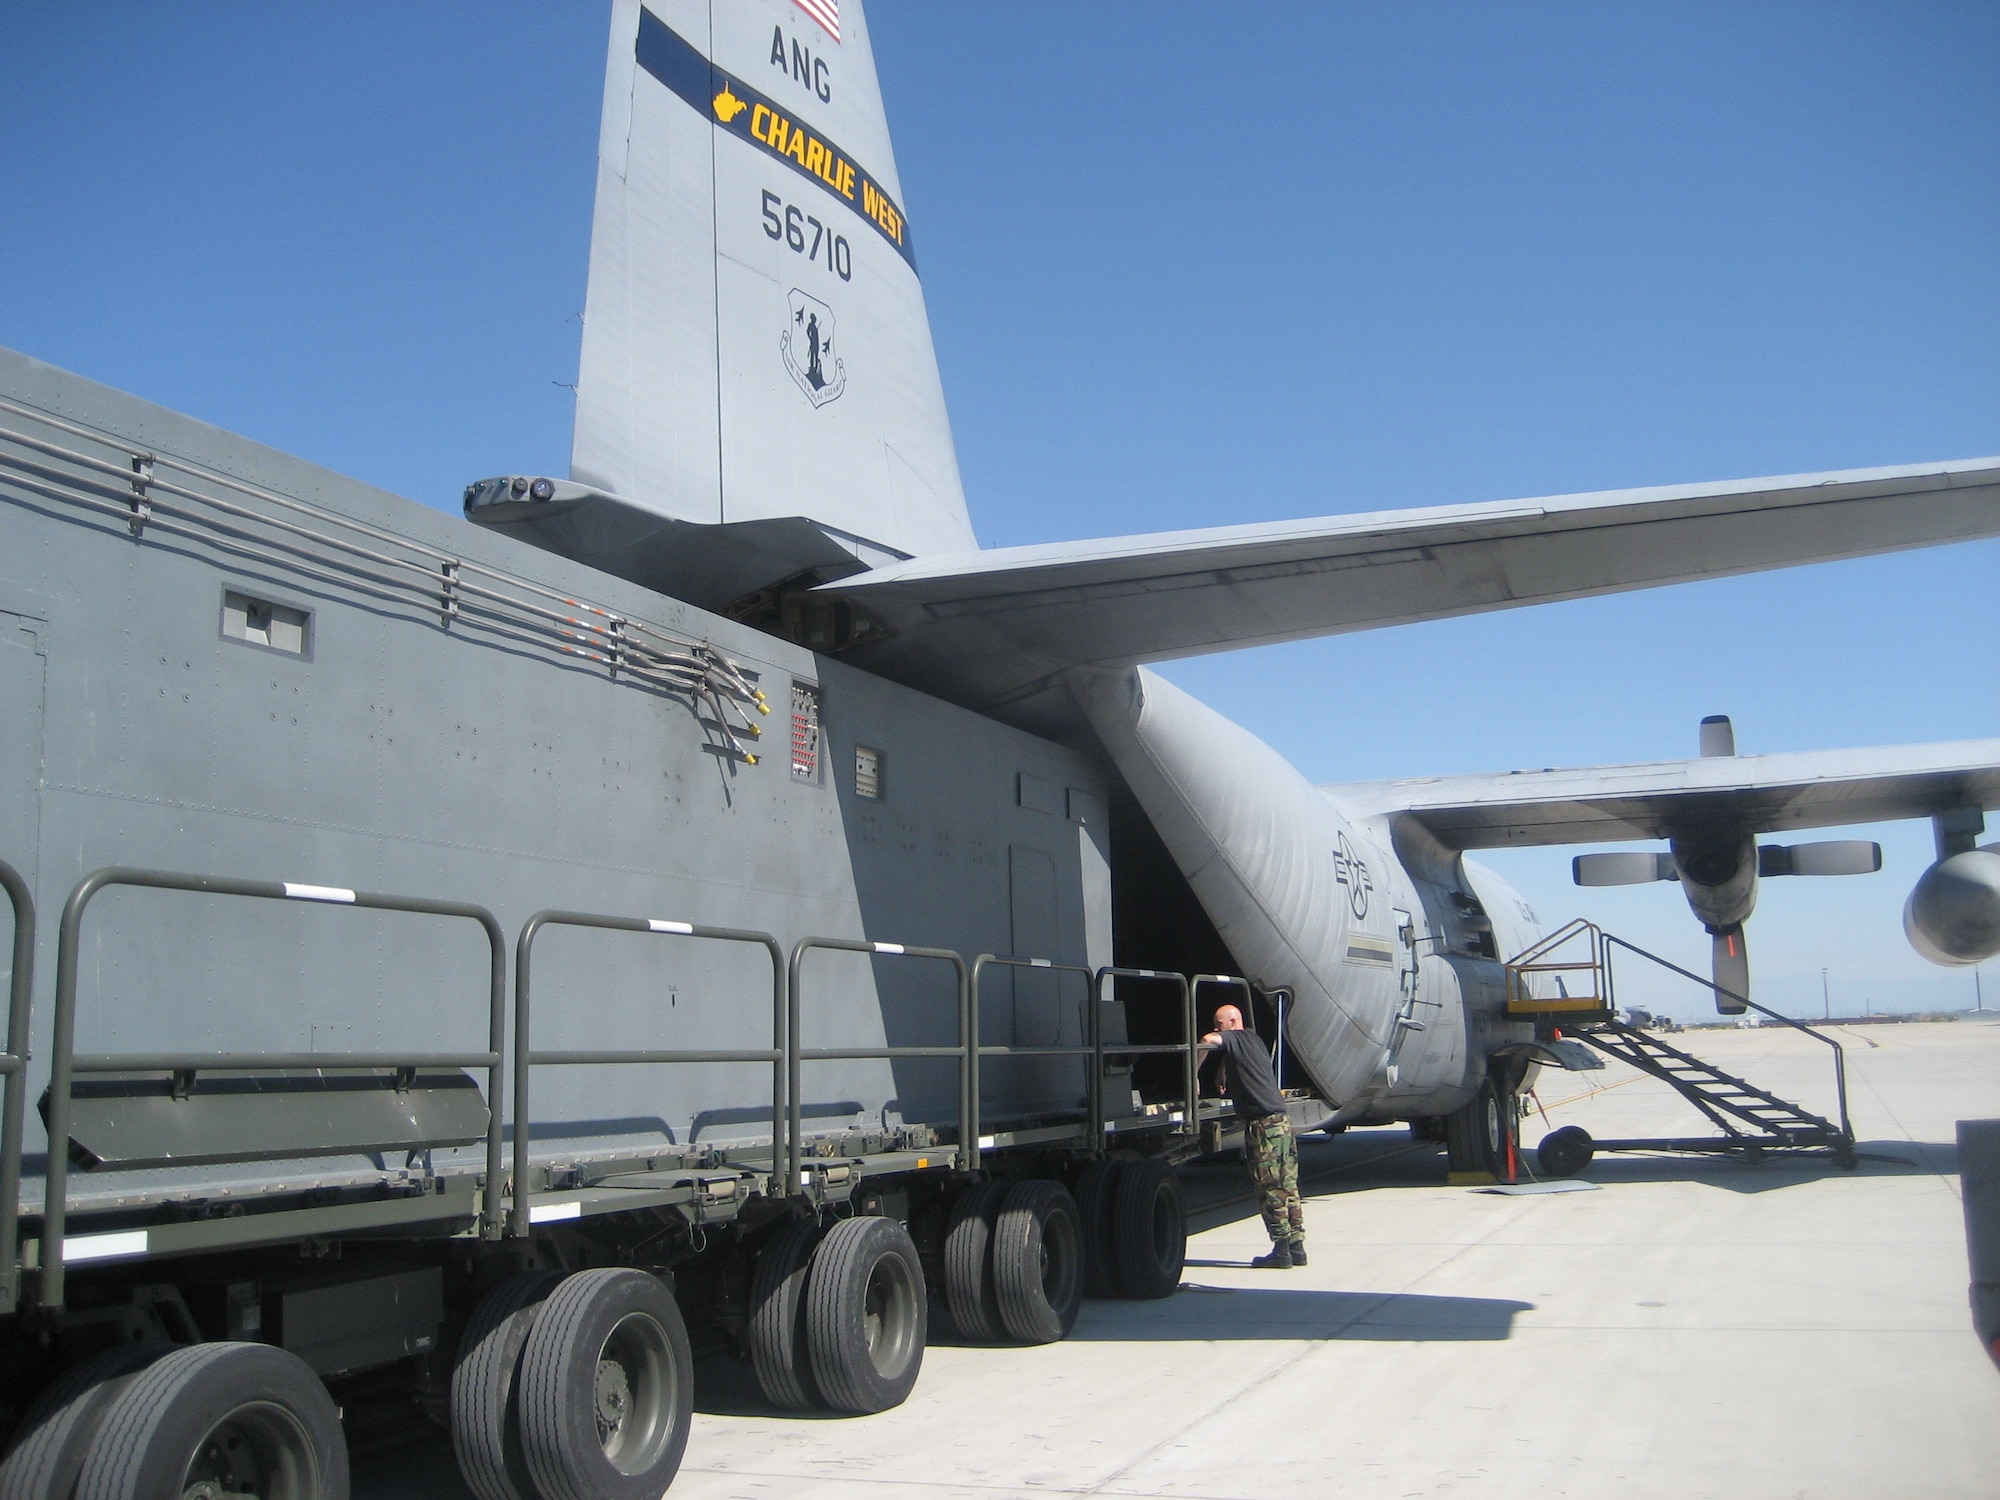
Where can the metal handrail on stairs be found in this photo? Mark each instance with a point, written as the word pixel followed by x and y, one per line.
pixel 1610 941
pixel 1594 1018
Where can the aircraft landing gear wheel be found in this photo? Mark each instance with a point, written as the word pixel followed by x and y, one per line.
pixel 777 1329
pixel 1038 1262
pixel 866 1315
pixel 606 1390
pixel 485 1427
pixel 1565 1152
pixel 219 1419
pixel 50 1444
pixel 1095 1186
pixel 1477 1132
pixel 1149 1229
pixel 968 1261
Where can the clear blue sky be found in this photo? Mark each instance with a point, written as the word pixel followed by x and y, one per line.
pixel 1187 265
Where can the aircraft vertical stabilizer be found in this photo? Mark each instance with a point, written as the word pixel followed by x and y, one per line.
pixel 755 340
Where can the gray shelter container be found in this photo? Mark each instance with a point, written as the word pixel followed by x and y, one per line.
pixel 218 659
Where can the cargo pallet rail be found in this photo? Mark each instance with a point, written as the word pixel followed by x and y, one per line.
pixel 542 1309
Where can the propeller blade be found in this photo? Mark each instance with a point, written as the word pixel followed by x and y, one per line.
pixel 1831 857
pixel 1718 736
pixel 1622 869
pixel 1729 964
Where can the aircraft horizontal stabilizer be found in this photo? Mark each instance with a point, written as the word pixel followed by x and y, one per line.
pixel 993 630
pixel 1750 793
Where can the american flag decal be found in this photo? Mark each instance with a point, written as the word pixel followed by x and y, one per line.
pixel 826 12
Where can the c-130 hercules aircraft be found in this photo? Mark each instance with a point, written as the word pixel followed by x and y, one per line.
pixel 342 695
pixel 828 508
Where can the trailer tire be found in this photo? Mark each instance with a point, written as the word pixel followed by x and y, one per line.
pixel 485 1422
pixel 1476 1133
pixel 606 1392
pixel 1565 1152
pixel 866 1315
pixel 776 1331
pixel 968 1261
pixel 1038 1262
pixel 1096 1186
pixel 50 1443
pixel 607 1389
pixel 1149 1229
pixel 248 1418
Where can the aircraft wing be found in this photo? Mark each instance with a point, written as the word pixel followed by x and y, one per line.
pixel 994 630
pixel 1758 793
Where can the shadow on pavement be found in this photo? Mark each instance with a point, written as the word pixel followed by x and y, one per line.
pixel 1736 1174
pixel 421 1469
pixel 1217 1190
pixel 725 1386
pixel 1203 1313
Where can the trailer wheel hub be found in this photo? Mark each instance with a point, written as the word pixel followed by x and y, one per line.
pixel 614 1399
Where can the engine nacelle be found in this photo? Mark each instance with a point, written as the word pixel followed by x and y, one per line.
pixel 1719 877
pixel 1953 914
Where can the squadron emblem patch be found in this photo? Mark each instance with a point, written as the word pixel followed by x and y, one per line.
pixel 809 351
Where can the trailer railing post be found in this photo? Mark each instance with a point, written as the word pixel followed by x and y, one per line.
pixel 65 1063
pixel 1186 1049
pixel 1097 1004
pixel 521 1216
pixel 1049 966
pixel 13 1066
pixel 966 1052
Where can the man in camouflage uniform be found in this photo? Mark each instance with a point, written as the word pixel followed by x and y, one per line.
pixel 1251 1084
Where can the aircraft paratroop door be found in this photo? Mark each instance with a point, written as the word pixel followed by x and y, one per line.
pixel 1419 1052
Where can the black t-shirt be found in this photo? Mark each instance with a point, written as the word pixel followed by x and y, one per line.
pixel 1251 1083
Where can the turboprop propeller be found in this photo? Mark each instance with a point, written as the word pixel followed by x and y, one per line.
pixel 1718 864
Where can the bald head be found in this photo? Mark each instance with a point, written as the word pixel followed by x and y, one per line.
pixel 1228 1018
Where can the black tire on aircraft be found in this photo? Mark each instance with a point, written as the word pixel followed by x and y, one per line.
pixel 866 1315
pixel 968 1261
pixel 1038 1262
pixel 224 1418
pixel 776 1332
pixel 53 1437
pixel 1148 1229
pixel 606 1390
pixel 485 1427
pixel 1477 1132
pixel 1096 1187
pixel 1564 1152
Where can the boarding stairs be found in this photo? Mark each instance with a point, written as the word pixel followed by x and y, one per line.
pixel 1577 963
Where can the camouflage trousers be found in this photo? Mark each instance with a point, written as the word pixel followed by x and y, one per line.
pixel 1274 1167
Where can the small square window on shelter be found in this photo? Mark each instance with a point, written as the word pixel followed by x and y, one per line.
pixel 259 622
pixel 867 772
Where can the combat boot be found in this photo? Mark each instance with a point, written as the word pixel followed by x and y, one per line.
pixel 1298 1252
pixel 1279 1259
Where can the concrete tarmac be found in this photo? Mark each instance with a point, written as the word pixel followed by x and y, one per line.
pixel 1692 1327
